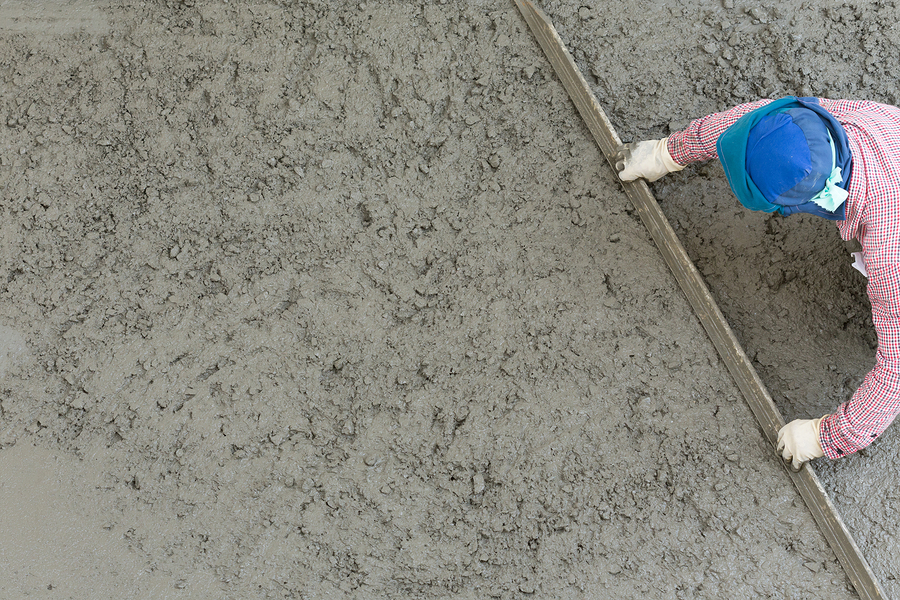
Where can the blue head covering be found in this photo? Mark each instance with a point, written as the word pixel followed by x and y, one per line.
pixel 781 156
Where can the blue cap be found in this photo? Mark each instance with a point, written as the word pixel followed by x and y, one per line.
pixel 789 156
pixel 779 157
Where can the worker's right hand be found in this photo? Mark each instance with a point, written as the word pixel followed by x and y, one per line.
pixel 650 160
pixel 798 442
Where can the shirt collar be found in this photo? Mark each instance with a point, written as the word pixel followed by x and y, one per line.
pixel 855 205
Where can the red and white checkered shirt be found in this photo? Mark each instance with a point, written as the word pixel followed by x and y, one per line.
pixel 872 217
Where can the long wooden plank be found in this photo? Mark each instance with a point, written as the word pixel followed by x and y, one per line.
pixel 712 319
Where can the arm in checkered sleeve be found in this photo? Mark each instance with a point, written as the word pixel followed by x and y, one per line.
pixel 698 141
pixel 856 423
pixel 653 159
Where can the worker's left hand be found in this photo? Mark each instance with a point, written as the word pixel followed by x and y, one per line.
pixel 798 442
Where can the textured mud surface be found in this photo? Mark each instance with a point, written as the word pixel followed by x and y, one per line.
pixel 317 301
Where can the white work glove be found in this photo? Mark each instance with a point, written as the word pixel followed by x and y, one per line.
pixel 650 160
pixel 798 442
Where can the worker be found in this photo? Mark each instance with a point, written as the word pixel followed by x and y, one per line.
pixel 840 160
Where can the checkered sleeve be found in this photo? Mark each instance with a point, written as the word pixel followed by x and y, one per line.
pixel 856 423
pixel 698 141
pixel 839 107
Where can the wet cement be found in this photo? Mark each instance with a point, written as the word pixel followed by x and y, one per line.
pixel 317 301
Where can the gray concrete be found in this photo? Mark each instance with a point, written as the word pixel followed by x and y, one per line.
pixel 307 300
